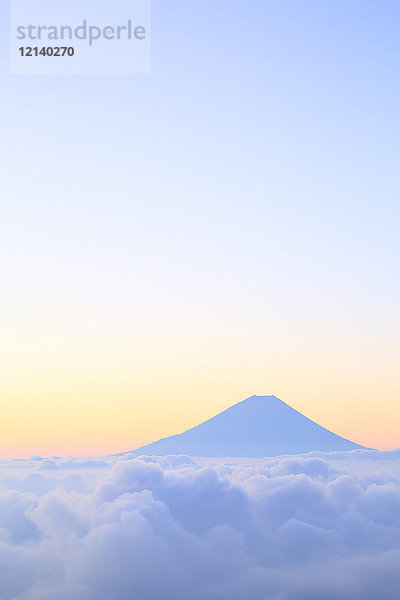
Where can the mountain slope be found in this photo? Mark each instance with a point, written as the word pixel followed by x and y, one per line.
pixel 256 427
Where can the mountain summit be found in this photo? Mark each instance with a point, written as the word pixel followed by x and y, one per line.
pixel 257 427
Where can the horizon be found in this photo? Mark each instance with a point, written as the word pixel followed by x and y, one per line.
pixel 210 418
pixel 115 451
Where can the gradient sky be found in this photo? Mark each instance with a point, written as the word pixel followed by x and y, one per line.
pixel 225 226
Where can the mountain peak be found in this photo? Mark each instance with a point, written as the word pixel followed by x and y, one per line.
pixel 255 427
pixel 256 398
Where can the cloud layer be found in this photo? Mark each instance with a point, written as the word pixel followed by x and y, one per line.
pixel 317 526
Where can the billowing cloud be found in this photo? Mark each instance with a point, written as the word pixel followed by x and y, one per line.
pixel 317 526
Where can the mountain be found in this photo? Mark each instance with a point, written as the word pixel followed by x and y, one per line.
pixel 256 427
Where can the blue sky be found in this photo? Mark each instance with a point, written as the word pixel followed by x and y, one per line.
pixel 243 195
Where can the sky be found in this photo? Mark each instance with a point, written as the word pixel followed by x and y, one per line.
pixel 224 226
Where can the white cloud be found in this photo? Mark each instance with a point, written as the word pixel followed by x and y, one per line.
pixel 317 526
